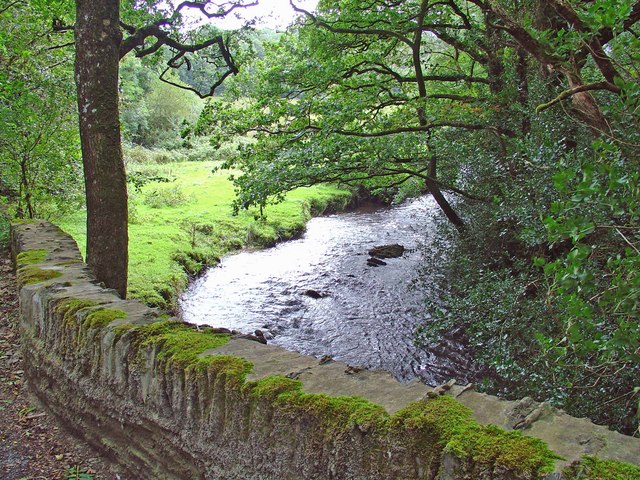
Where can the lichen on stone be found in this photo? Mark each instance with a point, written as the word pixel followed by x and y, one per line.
pixel 592 468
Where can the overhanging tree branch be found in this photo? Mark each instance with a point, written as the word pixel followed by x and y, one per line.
pixel 582 88
pixel 223 10
pixel 179 60
pixel 381 33
pixel 139 36
pixel 384 133
pixel 10 6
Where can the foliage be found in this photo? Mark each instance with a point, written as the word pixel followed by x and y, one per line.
pixel 527 112
pixel 595 288
pixel 165 196
pixel 544 282
pixel 153 112
pixel 548 301
pixel 39 146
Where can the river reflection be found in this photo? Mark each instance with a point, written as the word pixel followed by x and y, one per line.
pixel 366 316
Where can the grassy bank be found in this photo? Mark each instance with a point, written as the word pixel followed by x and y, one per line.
pixel 181 220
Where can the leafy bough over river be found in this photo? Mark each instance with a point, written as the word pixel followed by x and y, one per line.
pixel 319 296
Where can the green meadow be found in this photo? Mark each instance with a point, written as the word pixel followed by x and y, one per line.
pixel 181 220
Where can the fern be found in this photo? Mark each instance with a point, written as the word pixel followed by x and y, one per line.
pixel 77 473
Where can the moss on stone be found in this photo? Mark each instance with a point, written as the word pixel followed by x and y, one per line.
pixel 102 317
pixel 269 388
pixel 513 451
pixel 67 309
pixel 29 257
pixel 177 343
pixel 591 468
pixel 23 221
pixel 30 275
pixel 429 427
pixel 120 330
pixel 442 417
pixel 445 424
pixel 67 263
pixel 233 369
pixel 335 413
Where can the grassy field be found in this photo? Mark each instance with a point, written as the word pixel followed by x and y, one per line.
pixel 185 222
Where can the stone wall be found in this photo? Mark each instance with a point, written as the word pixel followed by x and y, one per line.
pixel 172 401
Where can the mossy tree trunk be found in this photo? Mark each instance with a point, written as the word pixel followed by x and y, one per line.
pixel 98 39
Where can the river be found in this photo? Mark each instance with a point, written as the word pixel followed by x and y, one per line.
pixel 365 316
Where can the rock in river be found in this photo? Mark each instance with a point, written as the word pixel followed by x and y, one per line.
pixel 313 294
pixel 387 251
pixel 375 262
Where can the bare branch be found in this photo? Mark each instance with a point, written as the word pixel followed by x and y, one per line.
pixel 364 67
pixel 381 33
pixel 385 133
pixel 65 45
pixel 58 26
pixel 139 36
pixel 222 11
pixel 10 6
pixel 416 129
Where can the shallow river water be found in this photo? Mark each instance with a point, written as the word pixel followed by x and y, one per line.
pixel 367 316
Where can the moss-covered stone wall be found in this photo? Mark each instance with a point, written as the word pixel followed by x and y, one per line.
pixel 168 400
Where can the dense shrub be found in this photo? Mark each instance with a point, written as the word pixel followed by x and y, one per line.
pixel 138 155
pixel 545 284
pixel 165 196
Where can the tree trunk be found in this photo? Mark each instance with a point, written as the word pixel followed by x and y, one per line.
pixel 98 39
pixel 433 187
pixel 25 187
pixel 523 91
pixel 444 205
